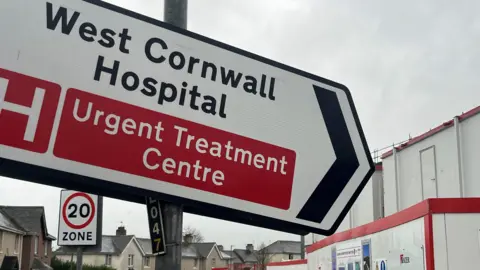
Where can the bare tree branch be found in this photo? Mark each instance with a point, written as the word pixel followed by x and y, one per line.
pixel 263 257
pixel 196 235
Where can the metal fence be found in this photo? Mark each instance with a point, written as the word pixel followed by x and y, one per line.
pixel 377 153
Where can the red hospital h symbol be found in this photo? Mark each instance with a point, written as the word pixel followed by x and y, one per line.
pixel 27 111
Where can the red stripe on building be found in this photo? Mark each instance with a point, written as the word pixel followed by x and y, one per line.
pixel 292 262
pixel 429 255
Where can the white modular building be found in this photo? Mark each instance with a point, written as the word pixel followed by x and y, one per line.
pixel 441 163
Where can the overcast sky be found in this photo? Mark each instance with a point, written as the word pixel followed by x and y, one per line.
pixel 410 65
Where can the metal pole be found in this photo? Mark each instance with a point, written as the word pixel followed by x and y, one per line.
pixel 175 13
pixel 79 258
pixel 302 247
pixel 99 233
pixel 99 222
pixel 173 220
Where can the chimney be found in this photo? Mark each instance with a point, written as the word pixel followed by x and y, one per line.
pixel 220 247
pixel 121 230
pixel 250 248
pixel 188 238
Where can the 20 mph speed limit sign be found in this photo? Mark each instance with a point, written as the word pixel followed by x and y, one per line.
pixel 78 219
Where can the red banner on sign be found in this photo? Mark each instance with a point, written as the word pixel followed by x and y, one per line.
pixel 115 135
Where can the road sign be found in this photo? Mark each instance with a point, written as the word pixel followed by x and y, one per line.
pixel 77 224
pixel 155 224
pixel 132 107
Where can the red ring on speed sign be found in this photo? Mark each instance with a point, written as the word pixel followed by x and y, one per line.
pixel 64 210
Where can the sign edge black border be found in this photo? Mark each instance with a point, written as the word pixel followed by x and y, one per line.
pixel 205 208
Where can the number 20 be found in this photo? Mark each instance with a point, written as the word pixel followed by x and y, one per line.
pixel 84 210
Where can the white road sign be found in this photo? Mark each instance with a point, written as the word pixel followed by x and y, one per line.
pixel 117 98
pixel 78 219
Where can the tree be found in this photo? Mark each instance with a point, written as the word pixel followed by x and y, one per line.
pixel 263 257
pixel 196 235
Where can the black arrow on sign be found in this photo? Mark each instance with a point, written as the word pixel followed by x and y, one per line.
pixel 342 170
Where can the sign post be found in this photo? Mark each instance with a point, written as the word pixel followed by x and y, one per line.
pixel 146 108
pixel 80 222
pixel 79 258
pixel 175 13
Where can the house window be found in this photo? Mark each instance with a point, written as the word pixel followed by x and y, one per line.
pixel 36 245
pixel 17 244
pixel 108 260
pixel 1 241
pixel 130 260
pixel 45 247
pixel 214 261
pixel 147 262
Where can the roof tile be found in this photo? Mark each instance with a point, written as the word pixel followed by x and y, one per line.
pixel 111 244
pixel 27 217
pixel 284 247
pixel 8 223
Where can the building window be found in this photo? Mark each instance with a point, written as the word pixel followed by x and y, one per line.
pixel 130 260
pixel 17 244
pixel 147 262
pixel 45 247
pixel 36 245
pixel 108 260
pixel 1 241
pixel 214 261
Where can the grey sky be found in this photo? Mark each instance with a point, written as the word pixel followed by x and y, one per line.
pixel 410 65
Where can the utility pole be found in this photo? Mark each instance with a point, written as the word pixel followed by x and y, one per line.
pixel 302 247
pixel 175 13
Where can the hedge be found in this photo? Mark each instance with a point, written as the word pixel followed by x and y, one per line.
pixel 61 265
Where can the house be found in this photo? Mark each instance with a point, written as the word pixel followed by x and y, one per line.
pixel 282 250
pixel 202 256
pixel 244 258
pixel 119 251
pixel 234 261
pixel 11 237
pixel 249 258
pixel 149 258
pixel 195 256
pixel 24 235
pixel 227 258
